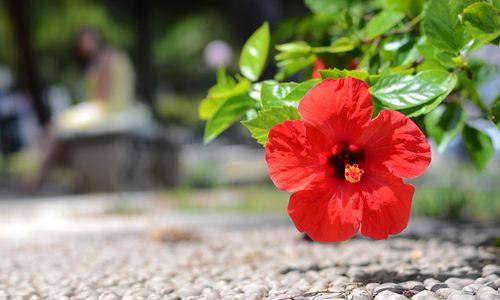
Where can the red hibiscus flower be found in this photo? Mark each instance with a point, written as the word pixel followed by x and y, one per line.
pixel 344 168
pixel 319 65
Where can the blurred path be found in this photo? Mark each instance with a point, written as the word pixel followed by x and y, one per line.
pixel 136 246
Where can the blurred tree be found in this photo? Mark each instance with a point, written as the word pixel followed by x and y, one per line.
pixel 146 81
pixel 179 46
pixel 7 52
pixel 17 11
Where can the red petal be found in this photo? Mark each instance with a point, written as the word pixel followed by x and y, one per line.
pixel 339 108
pixel 387 204
pixel 394 141
pixel 293 155
pixel 319 65
pixel 326 215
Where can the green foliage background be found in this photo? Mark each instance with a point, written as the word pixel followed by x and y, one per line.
pixel 179 34
pixel 415 55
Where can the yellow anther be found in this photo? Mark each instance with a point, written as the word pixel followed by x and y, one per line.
pixel 353 173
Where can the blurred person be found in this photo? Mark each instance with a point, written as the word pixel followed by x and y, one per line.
pixel 109 82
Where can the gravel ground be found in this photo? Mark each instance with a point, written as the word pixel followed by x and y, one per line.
pixel 170 255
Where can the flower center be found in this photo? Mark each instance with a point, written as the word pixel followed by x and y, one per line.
pixel 343 162
pixel 353 173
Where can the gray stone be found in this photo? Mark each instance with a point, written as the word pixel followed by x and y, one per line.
pixel 491 269
pixel 489 297
pixel 457 295
pixel 458 283
pixel 445 292
pixel 355 272
pixel 429 282
pixel 360 294
pixel 437 286
pixel 413 285
pixel 472 288
pixel 494 284
pixel 109 296
pixel 487 293
pixel 426 295
pixel 388 295
pixel 392 287
pixel 371 287
pixel 187 292
pixel 330 296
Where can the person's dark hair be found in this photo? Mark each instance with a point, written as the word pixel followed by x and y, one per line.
pixel 84 30
pixel 95 33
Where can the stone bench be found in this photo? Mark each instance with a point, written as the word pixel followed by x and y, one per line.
pixel 116 160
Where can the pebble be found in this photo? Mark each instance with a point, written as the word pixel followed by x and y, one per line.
pixel 108 296
pixel 392 287
pixel 437 286
pixel 429 282
pixel 413 285
pixel 457 295
pixel 187 292
pixel 494 284
pixel 458 283
pixel 487 293
pixel 426 295
pixel 388 295
pixel 370 287
pixel 491 269
pixel 472 288
pixel 360 294
pixel 245 263
pixel 445 292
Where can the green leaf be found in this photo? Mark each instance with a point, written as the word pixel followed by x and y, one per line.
pixel 284 94
pixel 468 90
pixel 219 93
pixel 494 112
pixel 482 21
pixel 267 118
pixel 445 59
pixel 398 70
pixel 443 79
pixel 228 113
pixel 337 73
pixel 294 47
pixel 326 7
pixel 447 81
pixel 368 61
pixel 435 58
pixel 382 23
pixel 479 146
pixel 496 4
pixel 399 92
pixel 291 66
pixel 444 123
pixel 222 78
pixel 409 7
pixel 442 26
pixel 274 93
pixel 343 44
pixel 254 54
pixel 299 91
